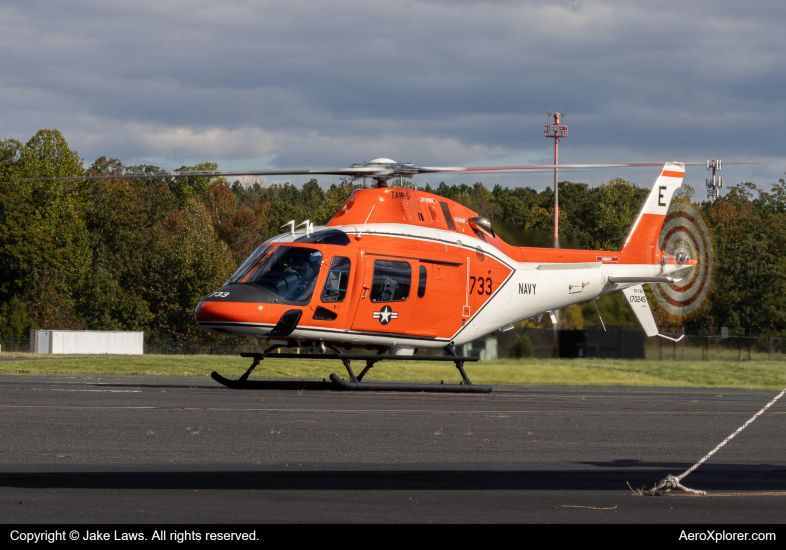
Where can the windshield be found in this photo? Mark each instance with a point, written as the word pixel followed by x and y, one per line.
pixel 246 266
pixel 290 272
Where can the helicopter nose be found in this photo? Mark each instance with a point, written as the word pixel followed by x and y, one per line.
pixel 257 319
pixel 245 310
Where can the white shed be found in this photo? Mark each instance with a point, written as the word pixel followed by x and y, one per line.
pixel 86 342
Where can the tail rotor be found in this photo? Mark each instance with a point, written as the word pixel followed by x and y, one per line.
pixel 684 237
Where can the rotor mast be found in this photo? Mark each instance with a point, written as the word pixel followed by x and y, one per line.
pixel 556 131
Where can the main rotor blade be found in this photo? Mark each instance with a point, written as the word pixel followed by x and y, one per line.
pixel 378 171
pixel 546 167
pixel 435 169
pixel 357 171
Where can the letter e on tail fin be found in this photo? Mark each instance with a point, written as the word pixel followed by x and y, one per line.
pixel 642 242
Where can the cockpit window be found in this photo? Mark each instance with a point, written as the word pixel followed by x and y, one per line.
pixel 328 236
pixel 291 272
pixel 243 271
pixel 337 280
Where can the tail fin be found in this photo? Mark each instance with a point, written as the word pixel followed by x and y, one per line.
pixel 642 242
pixel 638 301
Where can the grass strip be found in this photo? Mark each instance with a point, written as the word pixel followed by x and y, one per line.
pixel 528 372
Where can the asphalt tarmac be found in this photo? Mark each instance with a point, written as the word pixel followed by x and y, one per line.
pixel 184 449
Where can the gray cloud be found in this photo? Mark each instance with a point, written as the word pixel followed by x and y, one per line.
pixel 291 84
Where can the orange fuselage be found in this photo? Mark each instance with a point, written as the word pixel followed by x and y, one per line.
pixel 399 267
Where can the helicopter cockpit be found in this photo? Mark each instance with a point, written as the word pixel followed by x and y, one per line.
pixel 287 271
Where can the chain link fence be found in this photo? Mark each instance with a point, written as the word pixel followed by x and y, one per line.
pixel 719 343
pixel 174 347
pixel 15 345
pixel 701 343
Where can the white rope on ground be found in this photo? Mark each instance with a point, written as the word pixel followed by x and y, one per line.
pixel 673 482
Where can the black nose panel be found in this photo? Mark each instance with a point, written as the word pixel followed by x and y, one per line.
pixel 287 324
pixel 243 293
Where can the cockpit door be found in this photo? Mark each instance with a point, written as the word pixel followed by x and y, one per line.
pixel 331 302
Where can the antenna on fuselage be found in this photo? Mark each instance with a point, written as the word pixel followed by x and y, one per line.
pixel 291 224
pixel 308 225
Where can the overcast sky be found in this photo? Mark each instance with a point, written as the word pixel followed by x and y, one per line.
pixel 291 84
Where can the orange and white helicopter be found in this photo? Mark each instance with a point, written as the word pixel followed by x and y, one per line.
pixel 398 270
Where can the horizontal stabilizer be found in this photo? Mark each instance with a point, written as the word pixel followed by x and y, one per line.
pixel 627 280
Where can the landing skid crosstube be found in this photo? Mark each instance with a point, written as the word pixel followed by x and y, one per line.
pixel 355 383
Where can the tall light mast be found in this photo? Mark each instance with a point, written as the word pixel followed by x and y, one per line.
pixel 556 131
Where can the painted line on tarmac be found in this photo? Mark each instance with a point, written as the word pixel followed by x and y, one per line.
pixel 106 391
pixel 71 407
pixel 221 409
pixel 762 494
pixel 465 411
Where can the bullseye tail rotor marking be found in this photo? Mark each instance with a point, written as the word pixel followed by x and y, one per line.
pixel 685 235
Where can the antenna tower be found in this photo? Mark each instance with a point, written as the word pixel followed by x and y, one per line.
pixel 714 182
pixel 556 131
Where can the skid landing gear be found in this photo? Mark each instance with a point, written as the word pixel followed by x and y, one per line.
pixel 355 383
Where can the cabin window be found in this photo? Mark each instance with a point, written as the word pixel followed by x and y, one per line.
pixel 422 282
pixel 337 280
pixel 391 281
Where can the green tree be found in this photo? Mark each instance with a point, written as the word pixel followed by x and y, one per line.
pixel 42 234
pixel 186 187
pixel 189 261
pixel 241 227
pixel 521 347
pixel 49 307
pixel 14 319
pixel 617 203
pixel 750 239
pixel 125 222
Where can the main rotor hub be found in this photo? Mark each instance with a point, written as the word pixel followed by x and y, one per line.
pixel 380 160
pixel 388 169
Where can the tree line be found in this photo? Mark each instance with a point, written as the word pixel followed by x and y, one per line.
pixel 120 254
